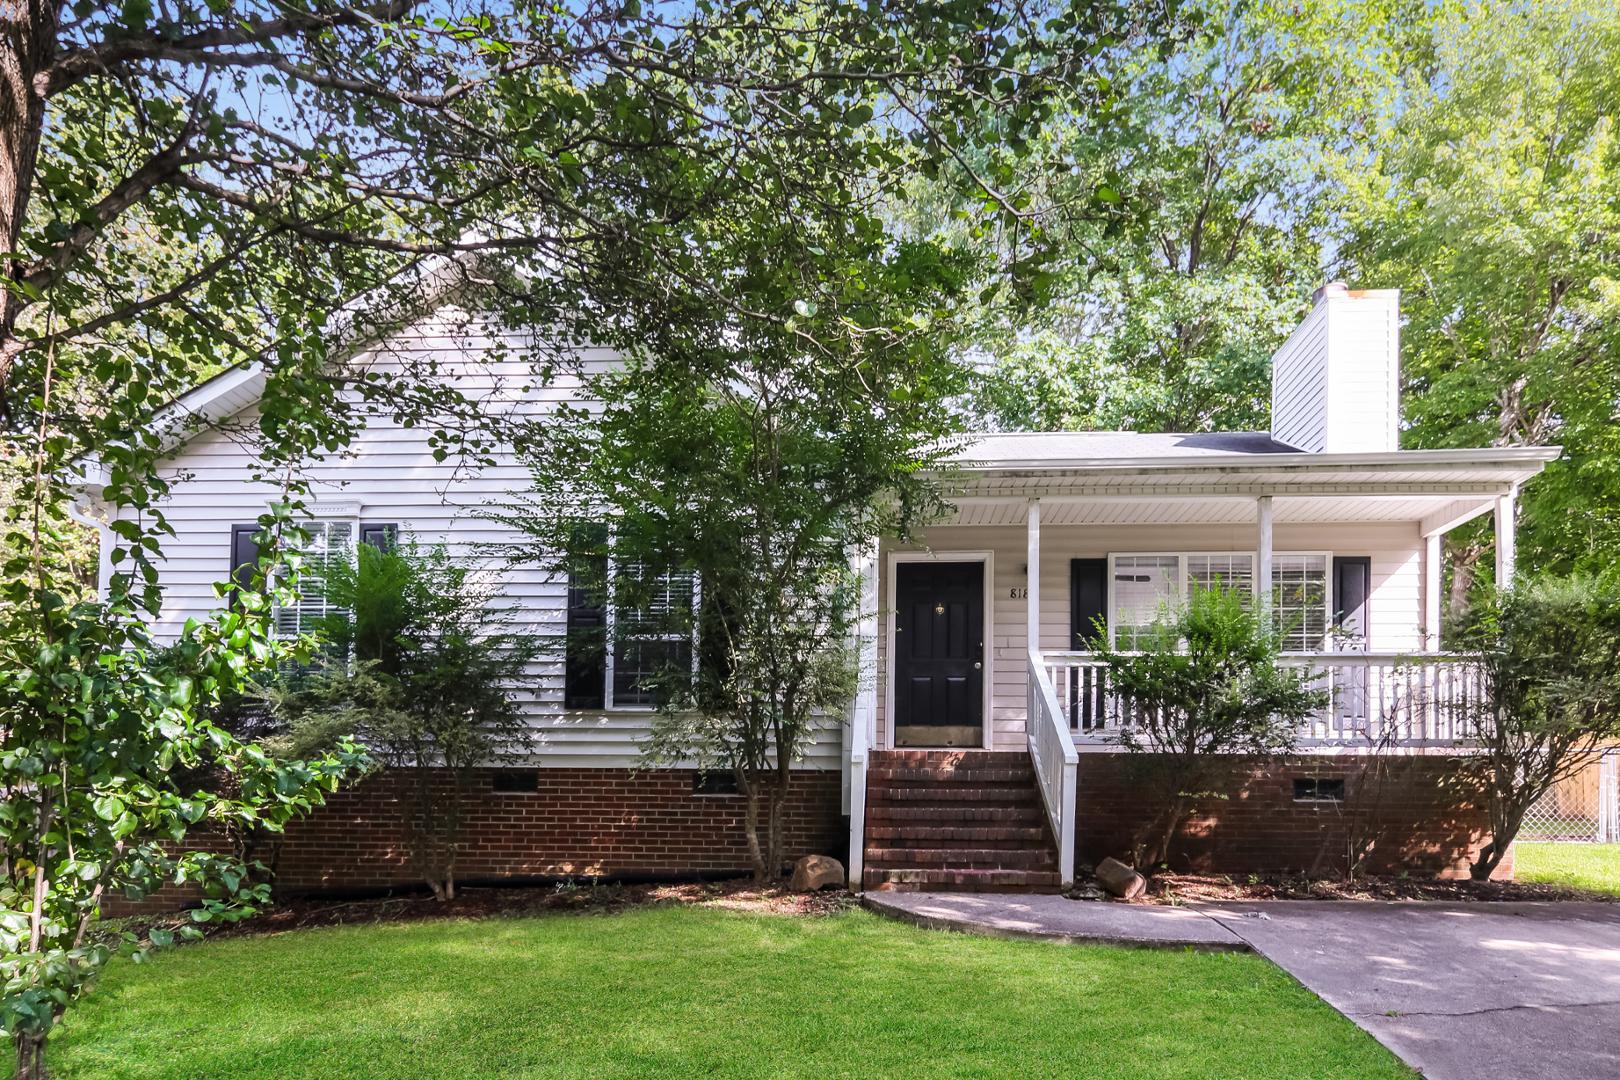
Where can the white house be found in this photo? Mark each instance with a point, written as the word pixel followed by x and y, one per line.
pixel 979 755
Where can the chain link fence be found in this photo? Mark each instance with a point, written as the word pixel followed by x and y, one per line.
pixel 1583 809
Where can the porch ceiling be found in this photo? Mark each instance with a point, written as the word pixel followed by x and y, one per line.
pixel 1431 512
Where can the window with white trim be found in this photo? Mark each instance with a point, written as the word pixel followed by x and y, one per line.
pixel 1233 570
pixel 329 543
pixel 1144 584
pixel 1299 600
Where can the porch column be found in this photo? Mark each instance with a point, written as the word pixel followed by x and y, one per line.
pixel 1262 571
pixel 1033 580
pixel 1431 592
pixel 1505 507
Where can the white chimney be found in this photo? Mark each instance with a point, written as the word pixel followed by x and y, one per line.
pixel 1335 383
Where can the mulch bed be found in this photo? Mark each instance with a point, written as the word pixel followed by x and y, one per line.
pixel 481 902
pixel 1182 888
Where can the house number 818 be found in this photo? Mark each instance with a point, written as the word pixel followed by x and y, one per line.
pixel 1019 593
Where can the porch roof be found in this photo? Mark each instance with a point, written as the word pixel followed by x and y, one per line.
pixel 1246 451
pixel 1086 478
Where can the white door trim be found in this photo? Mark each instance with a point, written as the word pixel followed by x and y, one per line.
pixel 891 567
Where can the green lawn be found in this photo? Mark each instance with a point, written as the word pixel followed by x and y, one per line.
pixel 683 992
pixel 1595 867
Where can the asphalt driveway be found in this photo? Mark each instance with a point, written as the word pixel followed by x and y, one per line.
pixel 1458 990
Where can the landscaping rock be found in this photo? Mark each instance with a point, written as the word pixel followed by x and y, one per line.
pixel 1120 879
pixel 816 872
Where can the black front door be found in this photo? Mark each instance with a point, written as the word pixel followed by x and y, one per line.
pixel 939 654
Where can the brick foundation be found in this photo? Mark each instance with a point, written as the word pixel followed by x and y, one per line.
pixel 1420 822
pixel 612 823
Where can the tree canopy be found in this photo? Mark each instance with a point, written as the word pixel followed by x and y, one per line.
pixel 187 186
pixel 1460 152
pixel 1491 197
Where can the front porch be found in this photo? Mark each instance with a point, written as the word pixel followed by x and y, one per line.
pixel 980 630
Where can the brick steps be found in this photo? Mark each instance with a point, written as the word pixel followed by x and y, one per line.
pixel 943 793
pixel 961 820
pixel 962 858
pixel 959 777
pixel 957 814
pixel 885 880
pixel 938 836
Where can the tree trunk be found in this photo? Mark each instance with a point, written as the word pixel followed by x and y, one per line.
pixel 751 827
pixel 1504 830
pixel 30 1057
pixel 1150 844
pixel 1490 857
pixel 1462 581
pixel 774 841
pixel 28 32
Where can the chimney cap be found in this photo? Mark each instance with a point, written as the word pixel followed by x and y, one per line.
pixel 1332 288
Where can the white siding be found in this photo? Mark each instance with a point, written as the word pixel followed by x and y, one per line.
pixel 1299 385
pixel 1335 381
pixel 1363 375
pixel 389 475
pixel 1394 608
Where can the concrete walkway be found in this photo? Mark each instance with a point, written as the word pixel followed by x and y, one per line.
pixel 1457 990
pixel 1057 918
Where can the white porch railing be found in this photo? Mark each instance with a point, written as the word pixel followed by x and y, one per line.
pixel 857 804
pixel 1052 752
pixel 1396 699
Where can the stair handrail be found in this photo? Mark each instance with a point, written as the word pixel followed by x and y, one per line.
pixel 1056 761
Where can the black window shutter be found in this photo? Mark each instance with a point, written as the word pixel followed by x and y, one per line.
pixel 1352 584
pixel 244 556
pixel 1088 601
pixel 585 666
pixel 382 536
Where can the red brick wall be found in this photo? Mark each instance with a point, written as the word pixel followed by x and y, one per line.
pixel 587 822
pixel 1420 823
pixel 579 822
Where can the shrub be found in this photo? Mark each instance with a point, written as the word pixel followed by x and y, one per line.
pixel 1203 690
pixel 420 668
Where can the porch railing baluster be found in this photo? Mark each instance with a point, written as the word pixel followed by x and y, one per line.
pixel 1412 700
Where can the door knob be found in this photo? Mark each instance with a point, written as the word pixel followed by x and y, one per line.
pixel 977 665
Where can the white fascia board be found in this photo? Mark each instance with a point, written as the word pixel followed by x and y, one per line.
pixel 1527 458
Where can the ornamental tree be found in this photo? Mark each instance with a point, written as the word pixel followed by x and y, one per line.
pixel 418 663
pixel 760 470
pixel 100 733
pixel 1548 654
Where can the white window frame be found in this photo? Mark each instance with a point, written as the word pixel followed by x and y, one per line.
pixel 1327 597
pixel 610 624
pixel 323 514
pixel 1254 557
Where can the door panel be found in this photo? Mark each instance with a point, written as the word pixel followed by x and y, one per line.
pixel 939 654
